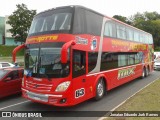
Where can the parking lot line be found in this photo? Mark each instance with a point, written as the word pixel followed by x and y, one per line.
pixel 14 105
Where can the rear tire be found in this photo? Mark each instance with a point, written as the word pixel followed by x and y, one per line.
pixel 143 73
pixel 147 72
pixel 100 89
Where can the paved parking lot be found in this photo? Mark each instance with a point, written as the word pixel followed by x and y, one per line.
pixel 110 101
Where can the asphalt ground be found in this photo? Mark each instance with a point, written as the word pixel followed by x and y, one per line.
pixel 88 110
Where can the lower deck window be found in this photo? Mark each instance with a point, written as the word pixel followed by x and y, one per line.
pixel 117 60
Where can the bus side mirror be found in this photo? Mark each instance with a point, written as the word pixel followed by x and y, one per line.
pixel 64 52
pixel 14 52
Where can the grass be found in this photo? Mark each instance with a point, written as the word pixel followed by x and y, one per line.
pixel 6 54
pixel 6 51
pixel 146 100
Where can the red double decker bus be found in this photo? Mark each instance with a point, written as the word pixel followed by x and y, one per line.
pixel 73 54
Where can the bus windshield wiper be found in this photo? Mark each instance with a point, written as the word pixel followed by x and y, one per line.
pixel 57 59
pixel 39 66
pixel 28 73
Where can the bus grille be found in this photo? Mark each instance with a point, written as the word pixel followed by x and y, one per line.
pixel 36 96
pixel 38 87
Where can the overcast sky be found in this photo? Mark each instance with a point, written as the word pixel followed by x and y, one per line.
pixel 108 7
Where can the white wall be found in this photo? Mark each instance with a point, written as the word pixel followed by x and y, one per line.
pixel 7 27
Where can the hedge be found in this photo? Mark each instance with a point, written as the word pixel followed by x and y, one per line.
pixel 7 51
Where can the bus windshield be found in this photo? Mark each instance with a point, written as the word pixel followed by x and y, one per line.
pixel 43 61
pixel 51 21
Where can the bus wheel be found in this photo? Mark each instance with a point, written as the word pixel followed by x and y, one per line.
pixel 147 71
pixel 100 89
pixel 143 73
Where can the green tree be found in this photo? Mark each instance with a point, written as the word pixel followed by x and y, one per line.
pixel 149 22
pixel 137 19
pixel 156 31
pixel 122 18
pixel 151 15
pixel 20 21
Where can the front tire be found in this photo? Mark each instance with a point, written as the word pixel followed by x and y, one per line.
pixel 100 89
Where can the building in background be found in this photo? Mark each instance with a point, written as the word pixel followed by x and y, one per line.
pixel 9 40
pixel 2 29
pixel 5 35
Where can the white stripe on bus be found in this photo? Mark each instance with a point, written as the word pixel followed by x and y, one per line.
pixel 112 70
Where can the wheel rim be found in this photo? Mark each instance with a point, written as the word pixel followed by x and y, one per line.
pixel 100 89
pixel 143 74
pixel 147 72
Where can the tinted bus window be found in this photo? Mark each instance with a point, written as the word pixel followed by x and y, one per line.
pixel 136 36
pixel 150 39
pixel 92 60
pixel 87 22
pixel 130 34
pixel 131 59
pixel 109 29
pixel 79 63
pixel 142 38
pixel 146 38
pixel 93 23
pixel 79 21
pixel 121 32
pixel 109 61
pixel 137 58
pixel 52 21
pixel 122 60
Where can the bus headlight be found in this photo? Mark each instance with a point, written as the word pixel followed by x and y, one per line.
pixel 63 86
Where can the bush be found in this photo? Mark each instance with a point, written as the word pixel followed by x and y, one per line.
pixel 6 51
pixel 156 49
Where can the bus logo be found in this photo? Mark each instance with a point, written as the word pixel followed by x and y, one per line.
pixel 36 86
pixel 94 43
pixel 125 72
pixel 80 40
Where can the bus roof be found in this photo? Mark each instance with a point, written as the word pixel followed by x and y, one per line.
pixel 78 6
pixel 72 6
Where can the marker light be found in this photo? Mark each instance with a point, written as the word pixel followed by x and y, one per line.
pixel 23 81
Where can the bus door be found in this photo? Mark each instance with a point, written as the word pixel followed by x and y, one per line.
pixel 79 74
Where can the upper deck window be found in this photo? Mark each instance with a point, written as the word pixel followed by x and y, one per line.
pixel 87 22
pixel 130 34
pixel 109 29
pixel 136 36
pixel 121 32
pixel 58 20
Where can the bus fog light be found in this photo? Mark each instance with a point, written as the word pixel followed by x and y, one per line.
pixel 63 86
pixel 63 100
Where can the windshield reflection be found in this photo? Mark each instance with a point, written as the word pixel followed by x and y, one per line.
pixel 51 22
pixel 44 62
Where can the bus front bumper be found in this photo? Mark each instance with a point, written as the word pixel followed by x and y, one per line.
pixel 50 99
